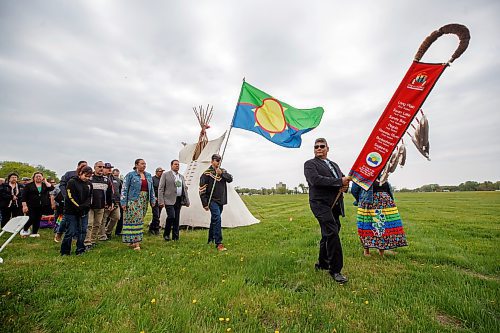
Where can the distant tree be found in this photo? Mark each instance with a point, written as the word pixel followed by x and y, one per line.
pixel 303 188
pixel 486 186
pixel 468 186
pixel 25 170
pixel 430 188
pixel 281 190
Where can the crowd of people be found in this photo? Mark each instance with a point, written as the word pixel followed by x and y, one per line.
pixel 92 203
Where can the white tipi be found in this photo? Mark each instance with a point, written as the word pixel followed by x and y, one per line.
pixel 198 156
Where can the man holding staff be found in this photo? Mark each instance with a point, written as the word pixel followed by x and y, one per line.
pixel 326 184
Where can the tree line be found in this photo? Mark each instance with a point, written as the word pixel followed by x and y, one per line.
pixel 301 188
pixel 25 170
pixel 469 185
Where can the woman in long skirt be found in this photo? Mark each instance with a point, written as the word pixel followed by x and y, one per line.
pixel 378 219
pixel 137 191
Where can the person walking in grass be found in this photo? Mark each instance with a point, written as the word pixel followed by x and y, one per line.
pixel 112 213
pixel 326 184
pixel 102 199
pixel 137 191
pixel 10 198
pixel 213 195
pixel 117 184
pixel 378 219
pixel 61 228
pixel 76 209
pixel 154 225
pixel 172 194
pixel 115 215
pixel 36 202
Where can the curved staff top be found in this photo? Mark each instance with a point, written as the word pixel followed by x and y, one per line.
pixel 403 106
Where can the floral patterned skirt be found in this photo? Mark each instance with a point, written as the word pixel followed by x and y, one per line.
pixel 379 224
pixel 133 219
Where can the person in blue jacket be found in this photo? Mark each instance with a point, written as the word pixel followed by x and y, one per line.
pixel 137 191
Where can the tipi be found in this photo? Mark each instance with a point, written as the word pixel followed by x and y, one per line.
pixel 198 156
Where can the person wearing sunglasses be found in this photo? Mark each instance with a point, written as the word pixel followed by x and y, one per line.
pixel 326 184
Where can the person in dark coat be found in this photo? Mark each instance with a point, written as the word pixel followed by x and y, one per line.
pixel 76 209
pixel 326 184
pixel 10 198
pixel 213 195
pixel 36 202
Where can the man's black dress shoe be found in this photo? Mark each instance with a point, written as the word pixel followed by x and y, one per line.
pixel 339 278
pixel 166 238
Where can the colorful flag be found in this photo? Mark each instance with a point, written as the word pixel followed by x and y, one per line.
pixel 278 122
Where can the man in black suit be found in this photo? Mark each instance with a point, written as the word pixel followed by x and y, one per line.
pixel 326 184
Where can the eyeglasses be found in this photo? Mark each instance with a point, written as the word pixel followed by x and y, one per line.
pixel 99 166
pixel 319 146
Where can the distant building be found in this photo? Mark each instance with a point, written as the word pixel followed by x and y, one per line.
pixel 280 185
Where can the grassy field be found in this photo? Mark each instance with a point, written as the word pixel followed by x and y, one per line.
pixel 446 280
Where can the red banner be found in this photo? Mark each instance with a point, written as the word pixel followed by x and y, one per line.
pixel 392 125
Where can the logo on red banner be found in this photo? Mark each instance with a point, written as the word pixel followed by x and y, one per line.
pixel 418 82
pixel 373 159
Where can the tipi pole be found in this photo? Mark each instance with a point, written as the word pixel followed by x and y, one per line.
pixel 227 140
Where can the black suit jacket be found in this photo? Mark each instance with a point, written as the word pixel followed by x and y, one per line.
pixel 323 187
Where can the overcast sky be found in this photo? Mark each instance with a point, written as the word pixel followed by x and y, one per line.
pixel 117 80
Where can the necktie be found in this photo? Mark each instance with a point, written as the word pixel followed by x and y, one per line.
pixel 332 168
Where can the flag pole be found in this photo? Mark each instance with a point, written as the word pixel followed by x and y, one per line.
pixel 227 140
pixel 232 121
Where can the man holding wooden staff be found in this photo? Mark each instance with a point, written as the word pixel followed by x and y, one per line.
pixel 326 184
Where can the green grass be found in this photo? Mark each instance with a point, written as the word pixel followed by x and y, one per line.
pixel 446 280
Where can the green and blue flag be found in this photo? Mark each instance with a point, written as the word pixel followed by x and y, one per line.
pixel 277 121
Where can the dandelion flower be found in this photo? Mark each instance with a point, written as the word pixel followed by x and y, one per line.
pixel 221 319
pixel 366 302
pixel 227 320
pixel 153 301
pixel 194 301
pixel 228 329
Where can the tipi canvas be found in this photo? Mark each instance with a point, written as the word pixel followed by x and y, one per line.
pixel 198 156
